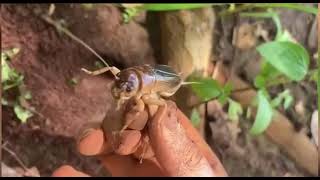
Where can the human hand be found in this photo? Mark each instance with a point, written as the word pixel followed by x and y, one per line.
pixel 169 145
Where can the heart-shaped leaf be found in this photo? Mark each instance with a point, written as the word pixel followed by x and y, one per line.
pixel 289 58
pixel 206 88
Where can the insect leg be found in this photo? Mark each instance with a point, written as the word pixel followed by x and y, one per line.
pixel 154 101
pixel 144 148
pixel 139 107
pixel 119 103
pixel 113 70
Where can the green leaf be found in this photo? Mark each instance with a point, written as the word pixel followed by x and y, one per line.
pixel 173 6
pixel 248 113
pixel 130 13
pixel 4 101
pixel 289 58
pixel 6 70
pixel 27 95
pixel 287 101
pixel 313 75
pixel 285 36
pixel 259 81
pixel 234 110
pixel 8 73
pixel 276 101
pixel 22 113
pixel 12 52
pixel 226 91
pixel 268 74
pixel 264 114
pixel 195 117
pixel 206 88
pixel 284 96
pixel 232 7
pixel 15 82
pixel 268 71
pixel 295 6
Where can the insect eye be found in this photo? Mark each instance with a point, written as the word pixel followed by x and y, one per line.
pixel 128 89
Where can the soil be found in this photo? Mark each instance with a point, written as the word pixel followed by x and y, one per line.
pixel 49 60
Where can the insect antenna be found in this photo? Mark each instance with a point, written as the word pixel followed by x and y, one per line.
pixel 72 36
pixel 190 82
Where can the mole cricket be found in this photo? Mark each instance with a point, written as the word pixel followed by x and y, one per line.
pixel 148 85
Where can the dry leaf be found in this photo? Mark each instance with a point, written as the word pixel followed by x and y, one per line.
pixel 260 32
pixel 245 37
pixel 300 108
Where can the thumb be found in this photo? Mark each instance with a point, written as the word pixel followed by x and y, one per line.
pixel 176 152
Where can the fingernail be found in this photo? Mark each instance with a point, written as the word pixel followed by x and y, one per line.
pixel 85 133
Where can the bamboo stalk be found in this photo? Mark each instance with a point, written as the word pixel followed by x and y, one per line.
pixel 186 45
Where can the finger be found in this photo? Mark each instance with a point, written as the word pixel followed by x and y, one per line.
pixel 68 171
pixel 128 142
pixel 137 120
pixel 176 153
pixel 194 136
pixel 96 142
pixel 144 150
pixel 126 166
pixel 93 142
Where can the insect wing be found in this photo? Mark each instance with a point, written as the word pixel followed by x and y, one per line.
pixel 166 76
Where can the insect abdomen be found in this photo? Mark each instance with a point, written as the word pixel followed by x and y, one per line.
pixel 167 80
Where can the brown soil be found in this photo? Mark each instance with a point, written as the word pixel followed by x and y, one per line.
pixel 49 60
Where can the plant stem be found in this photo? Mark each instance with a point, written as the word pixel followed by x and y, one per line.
pixel 14 155
pixel 239 9
pixel 294 6
pixel 271 5
pixel 274 83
